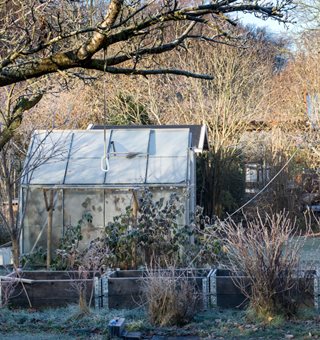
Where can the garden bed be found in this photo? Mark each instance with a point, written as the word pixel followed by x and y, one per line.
pixel 124 288
pixel 225 291
pixel 40 289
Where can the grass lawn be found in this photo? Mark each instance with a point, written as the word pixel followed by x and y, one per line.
pixel 63 323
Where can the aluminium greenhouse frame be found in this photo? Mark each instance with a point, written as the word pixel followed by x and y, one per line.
pixel 55 172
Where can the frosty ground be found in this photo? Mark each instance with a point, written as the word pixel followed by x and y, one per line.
pixel 65 323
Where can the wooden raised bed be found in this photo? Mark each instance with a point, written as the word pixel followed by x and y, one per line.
pixel 124 288
pixel 226 293
pixel 45 289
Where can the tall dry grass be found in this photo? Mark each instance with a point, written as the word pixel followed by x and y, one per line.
pixel 264 250
pixel 171 299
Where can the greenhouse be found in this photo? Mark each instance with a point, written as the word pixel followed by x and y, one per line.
pixel 99 172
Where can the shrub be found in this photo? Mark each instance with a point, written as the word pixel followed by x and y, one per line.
pixel 156 235
pixel 265 250
pixel 171 299
pixel 7 287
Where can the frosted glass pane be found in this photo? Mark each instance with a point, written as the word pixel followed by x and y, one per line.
pixel 89 144
pixel 167 170
pixel 47 158
pixel 84 171
pixel 126 170
pixel 51 145
pixel 50 172
pixel 130 141
pixel 169 142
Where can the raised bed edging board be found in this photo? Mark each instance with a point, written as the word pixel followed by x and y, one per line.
pixel 124 288
pixel 226 294
pixel 46 289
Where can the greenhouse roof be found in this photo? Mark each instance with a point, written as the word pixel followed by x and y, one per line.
pixel 108 157
pixel 199 134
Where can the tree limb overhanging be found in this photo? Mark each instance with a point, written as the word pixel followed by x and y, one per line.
pixel 35 45
pixel 15 117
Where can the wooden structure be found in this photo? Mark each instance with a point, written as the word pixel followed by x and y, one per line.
pixel 15 205
pixel 227 293
pixel 41 289
pixel 125 288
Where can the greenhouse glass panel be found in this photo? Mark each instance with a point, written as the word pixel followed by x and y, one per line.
pixel 129 141
pixel 135 156
pixel 84 171
pixel 51 172
pixel 47 159
pixel 89 144
pixel 126 170
pixel 169 142
pixel 128 156
pixel 167 170
pixel 168 159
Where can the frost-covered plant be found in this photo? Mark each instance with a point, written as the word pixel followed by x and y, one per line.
pixel 156 235
pixel 68 252
pixel 267 251
pixel 171 298
pixel 91 262
pixel 36 258
pixel 7 287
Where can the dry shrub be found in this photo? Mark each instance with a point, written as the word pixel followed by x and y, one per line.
pixel 171 299
pixel 8 284
pixel 264 249
pixel 92 262
pixel 7 288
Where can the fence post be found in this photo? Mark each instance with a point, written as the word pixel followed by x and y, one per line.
pixel 96 281
pixel 213 287
pixel 316 291
pixel 0 292
pixel 205 293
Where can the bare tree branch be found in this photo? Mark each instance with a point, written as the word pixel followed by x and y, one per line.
pixel 15 119
pixel 54 47
pixel 131 71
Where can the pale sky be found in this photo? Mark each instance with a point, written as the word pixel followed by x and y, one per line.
pixel 273 26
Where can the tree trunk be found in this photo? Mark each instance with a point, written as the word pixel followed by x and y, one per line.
pixel 15 251
pixel 13 230
pixel 83 306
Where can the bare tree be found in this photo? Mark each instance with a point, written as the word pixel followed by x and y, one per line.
pixel 298 105
pixel 308 13
pixel 12 165
pixel 141 25
pixel 231 104
pixel 41 38
pixel 9 175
